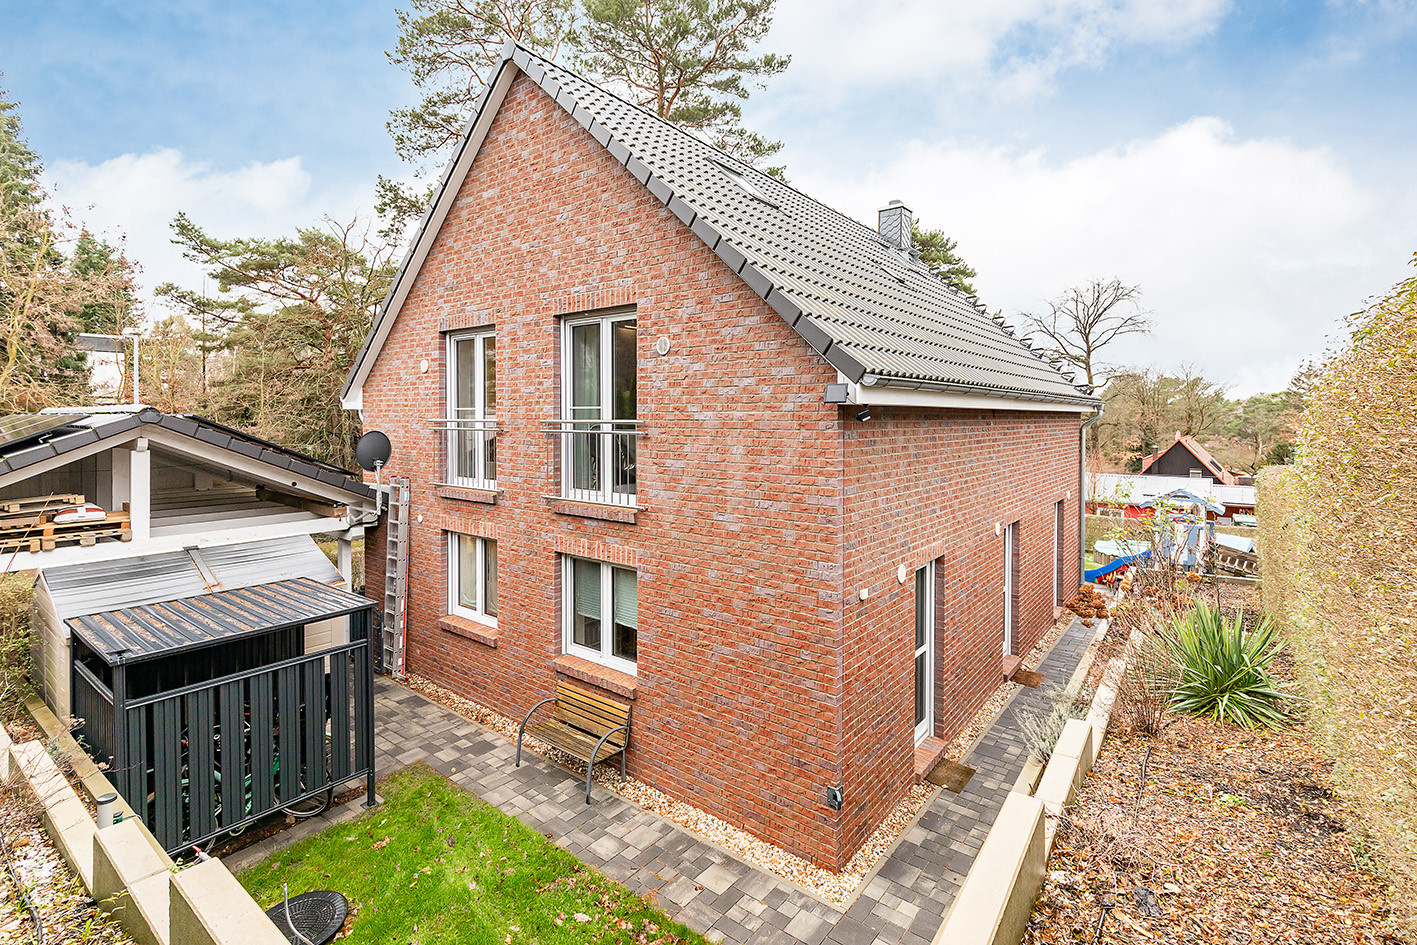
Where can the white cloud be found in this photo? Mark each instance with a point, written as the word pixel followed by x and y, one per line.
pixel 1013 47
pixel 1248 251
pixel 135 197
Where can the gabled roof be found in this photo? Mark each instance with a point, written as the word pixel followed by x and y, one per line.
pixel 28 439
pixel 1208 462
pixel 874 312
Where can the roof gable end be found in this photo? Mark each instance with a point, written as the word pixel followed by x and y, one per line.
pixel 875 314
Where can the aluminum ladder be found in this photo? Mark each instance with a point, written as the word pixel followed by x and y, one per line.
pixel 395 578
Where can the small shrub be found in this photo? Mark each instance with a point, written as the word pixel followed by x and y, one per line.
pixel 1148 686
pixel 1041 730
pixel 1224 669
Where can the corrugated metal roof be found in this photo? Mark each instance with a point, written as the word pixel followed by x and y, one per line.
pixel 98 586
pixel 133 634
pixel 871 310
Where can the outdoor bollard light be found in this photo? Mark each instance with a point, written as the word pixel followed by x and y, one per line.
pixel 105 805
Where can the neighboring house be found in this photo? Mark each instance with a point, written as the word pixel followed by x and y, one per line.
pixel 198 566
pixel 676 431
pixel 1186 457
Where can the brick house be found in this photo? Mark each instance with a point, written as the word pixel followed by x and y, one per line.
pixel 679 432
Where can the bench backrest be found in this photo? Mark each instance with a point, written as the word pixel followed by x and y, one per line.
pixel 591 713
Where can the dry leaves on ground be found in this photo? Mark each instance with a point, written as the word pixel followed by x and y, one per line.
pixel 1235 836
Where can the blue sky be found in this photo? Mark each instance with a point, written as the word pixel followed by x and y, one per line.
pixel 1248 164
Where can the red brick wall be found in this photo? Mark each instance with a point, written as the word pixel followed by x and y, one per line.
pixel 925 485
pixel 738 697
pixel 761 506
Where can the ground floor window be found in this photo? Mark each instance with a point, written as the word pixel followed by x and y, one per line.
pixel 472 577
pixel 601 612
pixel 924 647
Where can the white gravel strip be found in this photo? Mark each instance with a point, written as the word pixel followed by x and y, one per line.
pixel 833 887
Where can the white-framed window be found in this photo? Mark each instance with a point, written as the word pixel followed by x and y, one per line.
pixel 599 409
pixel 924 652
pixel 1011 587
pixel 472 578
pixel 600 612
pixel 471 422
pixel 1059 581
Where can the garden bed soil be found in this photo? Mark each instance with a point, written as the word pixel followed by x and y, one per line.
pixel 64 906
pixel 1235 836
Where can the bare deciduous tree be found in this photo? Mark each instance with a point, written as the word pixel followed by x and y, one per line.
pixel 1086 319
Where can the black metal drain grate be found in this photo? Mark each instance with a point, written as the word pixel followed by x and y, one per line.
pixel 317 916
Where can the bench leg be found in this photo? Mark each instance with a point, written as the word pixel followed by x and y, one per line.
pixel 589 769
pixel 519 750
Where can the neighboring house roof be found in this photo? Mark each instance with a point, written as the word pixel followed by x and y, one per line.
pixel 27 439
pixel 874 312
pixel 1211 465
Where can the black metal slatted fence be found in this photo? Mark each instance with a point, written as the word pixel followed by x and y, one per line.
pixel 209 758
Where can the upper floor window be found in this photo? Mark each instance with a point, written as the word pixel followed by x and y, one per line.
pixel 601 612
pixel 597 426
pixel 471 421
pixel 472 577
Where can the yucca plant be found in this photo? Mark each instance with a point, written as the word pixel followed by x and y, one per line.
pixel 1224 671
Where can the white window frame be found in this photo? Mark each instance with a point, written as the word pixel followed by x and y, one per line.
pixel 926 726
pixel 605 495
pixel 602 656
pixel 455 607
pixel 1059 521
pixel 1010 552
pixel 479 338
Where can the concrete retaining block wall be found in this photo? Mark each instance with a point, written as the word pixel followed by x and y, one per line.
pixel 65 817
pixel 126 869
pixel 993 906
pixel 207 906
pixel 130 881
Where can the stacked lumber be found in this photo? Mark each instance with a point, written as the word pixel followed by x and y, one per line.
pixel 28 524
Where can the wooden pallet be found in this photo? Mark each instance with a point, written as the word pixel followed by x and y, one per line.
pixel 39 503
pixel 42 533
pixel 40 543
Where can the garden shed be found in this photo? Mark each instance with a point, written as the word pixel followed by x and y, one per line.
pixel 212 653
pixel 218 685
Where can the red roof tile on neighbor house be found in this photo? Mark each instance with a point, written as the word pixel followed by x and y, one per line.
pixel 1209 462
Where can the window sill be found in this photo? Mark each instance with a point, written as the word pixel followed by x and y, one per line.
pixel 469 629
pixel 466 493
pixel 609 513
pixel 611 680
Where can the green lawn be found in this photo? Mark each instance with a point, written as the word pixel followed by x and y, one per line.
pixel 436 864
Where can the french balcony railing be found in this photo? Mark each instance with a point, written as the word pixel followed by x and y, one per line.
pixel 469 451
pixel 597 460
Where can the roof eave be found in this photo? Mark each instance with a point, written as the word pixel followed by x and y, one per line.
pixel 1081 401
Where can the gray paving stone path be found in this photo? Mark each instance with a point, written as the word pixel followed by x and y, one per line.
pixel 697 882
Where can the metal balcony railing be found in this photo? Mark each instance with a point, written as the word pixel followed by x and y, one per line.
pixel 469 451
pixel 597 460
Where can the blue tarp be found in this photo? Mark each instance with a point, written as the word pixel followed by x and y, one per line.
pixel 1111 566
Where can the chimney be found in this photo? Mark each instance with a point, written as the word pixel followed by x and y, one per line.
pixel 894 224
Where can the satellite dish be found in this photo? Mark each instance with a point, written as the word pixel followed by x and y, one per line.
pixel 373 450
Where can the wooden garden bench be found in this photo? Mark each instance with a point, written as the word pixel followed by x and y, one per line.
pixel 583 724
